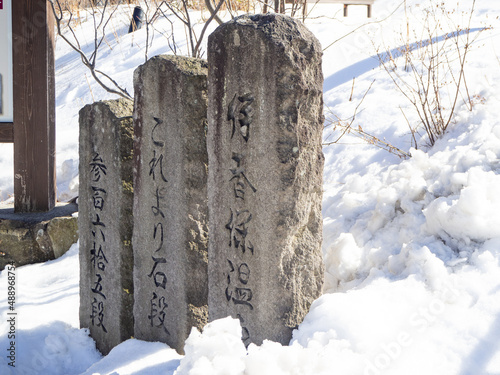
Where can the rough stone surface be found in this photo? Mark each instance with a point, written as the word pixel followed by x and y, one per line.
pixel 36 237
pixel 19 245
pixel 170 202
pixel 105 221
pixel 265 124
pixel 63 232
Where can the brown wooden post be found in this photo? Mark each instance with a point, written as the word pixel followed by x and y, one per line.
pixel 34 107
pixel 6 132
pixel 6 129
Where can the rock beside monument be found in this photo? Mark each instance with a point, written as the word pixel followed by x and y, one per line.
pixel 34 238
pixel 63 232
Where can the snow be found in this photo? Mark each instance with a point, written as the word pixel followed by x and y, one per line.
pixel 47 340
pixel 411 246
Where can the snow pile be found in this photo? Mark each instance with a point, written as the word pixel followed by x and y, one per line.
pixel 47 341
pixel 418 216
pixel 56 348
pixel 219 350
pixel 137 357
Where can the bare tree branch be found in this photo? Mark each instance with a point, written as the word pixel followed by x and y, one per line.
pixel 431 62
pixel 89 62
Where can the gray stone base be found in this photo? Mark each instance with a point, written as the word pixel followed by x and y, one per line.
pixel 36 237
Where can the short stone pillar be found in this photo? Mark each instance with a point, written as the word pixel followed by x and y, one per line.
pixel 170 201
pixel 265 174
pixel 105 222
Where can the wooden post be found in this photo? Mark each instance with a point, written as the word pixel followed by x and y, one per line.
pixel 6 132
pixel 6 129
pixel 34 108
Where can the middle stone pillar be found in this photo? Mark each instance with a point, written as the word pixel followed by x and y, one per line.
pixel 170 201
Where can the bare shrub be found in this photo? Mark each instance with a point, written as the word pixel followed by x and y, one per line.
pixel 341 127
pixel 78 5
pixel 430 72
pixel 101 17
pixel 67 15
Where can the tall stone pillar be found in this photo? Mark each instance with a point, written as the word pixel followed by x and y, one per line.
pixel 265 174
pixel 170 201
pixel 105 222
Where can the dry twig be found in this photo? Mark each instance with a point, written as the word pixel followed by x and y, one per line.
pixel 101 19
pixel 346 127
pixel 433 77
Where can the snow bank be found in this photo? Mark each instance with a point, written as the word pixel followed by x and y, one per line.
pixel 219 350
pixel 56 349
pixel 137 357
pixel 47 340
pixel 418 216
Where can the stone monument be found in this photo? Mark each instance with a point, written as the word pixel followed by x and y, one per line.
pixel 170 201
pixel 105 222
pixel 265 125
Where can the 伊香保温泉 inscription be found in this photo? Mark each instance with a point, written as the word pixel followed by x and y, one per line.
pixel 265 126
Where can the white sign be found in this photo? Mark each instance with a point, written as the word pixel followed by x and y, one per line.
pixel 6 82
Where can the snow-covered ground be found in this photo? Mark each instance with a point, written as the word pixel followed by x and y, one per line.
pixel 411 247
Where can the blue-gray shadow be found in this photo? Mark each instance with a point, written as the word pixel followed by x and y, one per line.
pixel 477 362
pixel 166 368
pixel 372 62
pixel 54 345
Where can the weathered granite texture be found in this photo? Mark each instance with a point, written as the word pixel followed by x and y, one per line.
pixel 170 202
pixel 105 222
pixel 265 124
pixel 63 232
